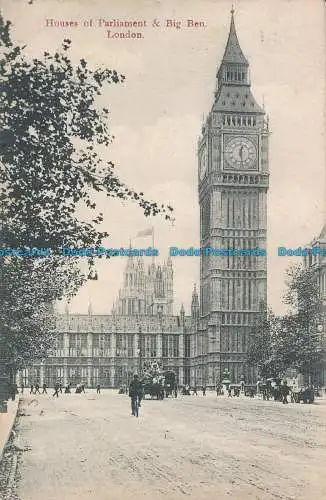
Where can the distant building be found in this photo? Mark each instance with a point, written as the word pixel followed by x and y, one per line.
pixel 109 349
pixel 318 262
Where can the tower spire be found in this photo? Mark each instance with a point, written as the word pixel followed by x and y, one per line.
pixel 233 52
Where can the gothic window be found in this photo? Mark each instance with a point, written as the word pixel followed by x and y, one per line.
pixel 175 346
pixel 96 344
pixel 84 350
pixel 165 346
pixel 153 346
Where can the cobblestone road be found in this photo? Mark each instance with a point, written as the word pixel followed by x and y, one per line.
pixel 89 447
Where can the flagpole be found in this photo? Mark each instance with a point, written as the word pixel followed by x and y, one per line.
pixel 153 243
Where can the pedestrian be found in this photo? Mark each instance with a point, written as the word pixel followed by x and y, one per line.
pixel 32 389
pixel 204 390
pixel 284 391
pixel 229 392
pixel 82 388
pixel 194 391
pixel 56 390
pixel 135 393
pixel 98 389
pixel 22 387
pixel 37 389
pixel 60 387
pixel 44 389
pixel 13 391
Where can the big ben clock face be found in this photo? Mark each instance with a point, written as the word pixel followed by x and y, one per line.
pixel 203 163
pixel 240 154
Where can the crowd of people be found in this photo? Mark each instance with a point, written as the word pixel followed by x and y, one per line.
pixel 58 389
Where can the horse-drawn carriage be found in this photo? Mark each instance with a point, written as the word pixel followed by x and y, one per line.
pixel 156 382
pixel 153 387
pixel 305 394
pixel 170 386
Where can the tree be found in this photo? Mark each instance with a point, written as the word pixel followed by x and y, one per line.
pixel 262 352
pixel 289 341
pixel 53 132
pixel 299 337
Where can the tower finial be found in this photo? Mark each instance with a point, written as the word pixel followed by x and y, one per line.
pixel 232 10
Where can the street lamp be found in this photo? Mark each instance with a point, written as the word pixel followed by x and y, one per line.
pixel 139 350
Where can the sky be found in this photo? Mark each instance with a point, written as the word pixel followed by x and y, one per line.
pixel 156 116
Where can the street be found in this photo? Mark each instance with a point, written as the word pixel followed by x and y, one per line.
pixel 88 446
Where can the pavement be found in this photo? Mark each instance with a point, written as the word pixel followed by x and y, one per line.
pixel 6 423
pixel 88 446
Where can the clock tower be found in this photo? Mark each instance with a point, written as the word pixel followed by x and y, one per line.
pixel 233 182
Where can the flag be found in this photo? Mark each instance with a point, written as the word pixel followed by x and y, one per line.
pixel 145 232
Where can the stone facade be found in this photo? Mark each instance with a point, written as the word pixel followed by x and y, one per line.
pixel 318 261
pixel 233 184
pixel 109 349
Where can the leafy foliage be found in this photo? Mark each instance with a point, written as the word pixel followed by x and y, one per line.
pixel 52 133
pixel 299 330
pixel 262 347
pixel 52 128
pixel 292 340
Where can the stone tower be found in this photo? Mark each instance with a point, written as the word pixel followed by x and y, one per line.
pixel 233 178
pixel 146 293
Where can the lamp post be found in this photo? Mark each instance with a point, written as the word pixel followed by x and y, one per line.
pixel 140 354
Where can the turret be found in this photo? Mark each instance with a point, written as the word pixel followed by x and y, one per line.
pixel 194 304
pixel 182 314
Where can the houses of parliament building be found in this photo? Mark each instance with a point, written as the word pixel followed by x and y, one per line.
pixel 233 180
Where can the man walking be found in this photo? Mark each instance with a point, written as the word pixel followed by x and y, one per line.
pixel 56 390
pixel 44 389
pixel 285 391
pixel 37 389
pixel 98 389
pixel 135 393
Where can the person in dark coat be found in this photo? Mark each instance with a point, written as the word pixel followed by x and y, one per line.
pixel 135 393
pixel 37 389
pixel 44 389
pixel 56 390
pixel 204 390
pixel 285 391
pixel 98 389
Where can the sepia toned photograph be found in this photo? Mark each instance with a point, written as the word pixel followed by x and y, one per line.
pixel 163 250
